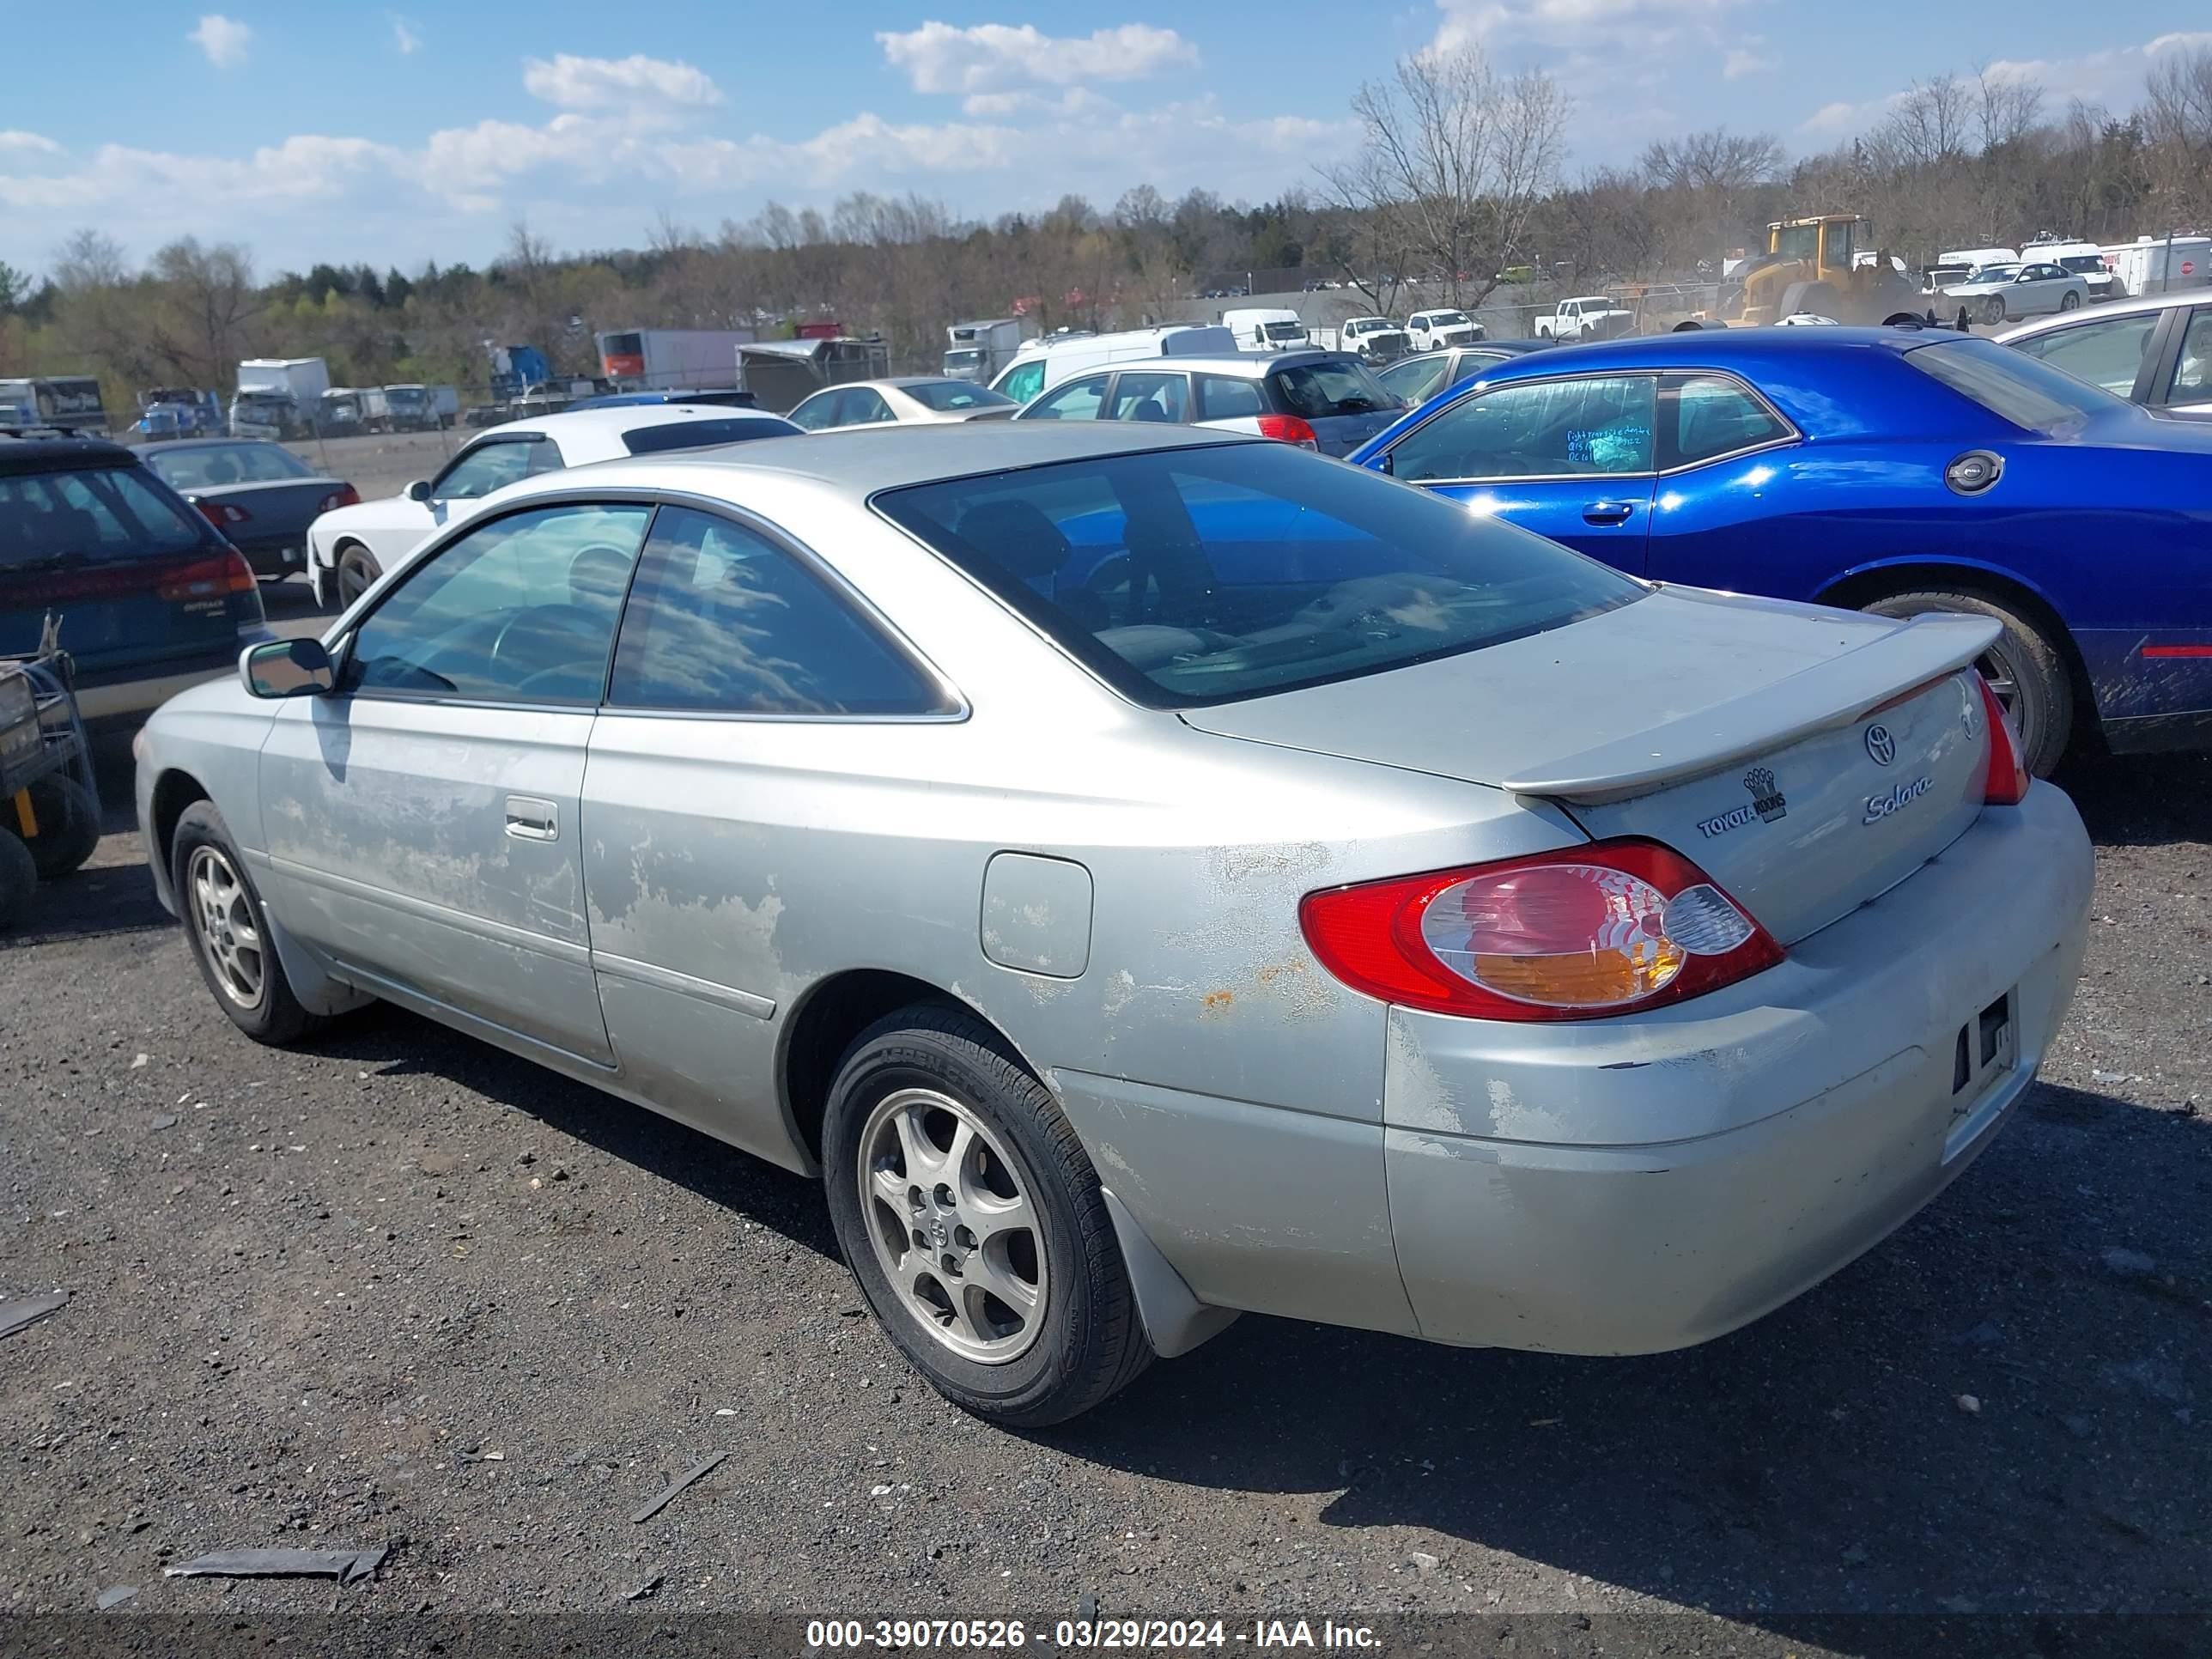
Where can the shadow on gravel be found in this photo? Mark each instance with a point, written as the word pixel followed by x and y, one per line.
pixel 2142 801
pixel 100 901
pixel 396 1043
pixel 1818 1460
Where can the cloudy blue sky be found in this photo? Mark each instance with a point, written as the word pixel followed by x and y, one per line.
pixel 348 132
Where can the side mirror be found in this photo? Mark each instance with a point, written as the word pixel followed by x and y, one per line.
pixel 419 490
pixel 286 668
pixel 1386 465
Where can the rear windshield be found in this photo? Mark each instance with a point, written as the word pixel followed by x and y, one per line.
pixel 1190 576
pixel 700 434
pixel 2015 387
pixel 943 395
pixel 97 515
pixel 213 466
pixel 1334 385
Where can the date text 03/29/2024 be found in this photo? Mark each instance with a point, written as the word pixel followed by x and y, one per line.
pixel 1257 1635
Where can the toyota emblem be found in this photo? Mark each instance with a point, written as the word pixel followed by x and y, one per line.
pixel 1879 744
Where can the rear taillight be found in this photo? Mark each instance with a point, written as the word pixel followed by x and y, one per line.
pixel 344 496
pixel 1613 927
pixel 223 515
pixel 208 579
pixel 1290 429
pixel 2007 781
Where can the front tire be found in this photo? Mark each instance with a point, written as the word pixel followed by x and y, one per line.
pixel 357 571
pixel 972 1220
pixel 228 931
pixel 2024 668
pixel 1993 309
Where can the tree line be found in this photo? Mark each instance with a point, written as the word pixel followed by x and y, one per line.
pixel 1458 179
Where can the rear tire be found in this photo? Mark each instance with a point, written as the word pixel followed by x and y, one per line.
pixel 2070 302
pixel 68 825
pixel 18 879
pixel 228 931
pixel 941 1072
pixel 2024 668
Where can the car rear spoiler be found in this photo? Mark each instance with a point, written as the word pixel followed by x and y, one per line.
pixel 1828 693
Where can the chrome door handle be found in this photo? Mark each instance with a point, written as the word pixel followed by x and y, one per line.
pixel 529 818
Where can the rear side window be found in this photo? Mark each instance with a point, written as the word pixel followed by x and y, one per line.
pixel 722 621
pixel 1596 424
pixel 1159 397
pixel 1713 416
pixel 2030 394
pixel 1198 575
pixel 1335 386
pixel 103 514
pixel 1227 398
pixel 2107 353
pixel 700 434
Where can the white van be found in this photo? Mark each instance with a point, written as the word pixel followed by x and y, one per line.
pixel 1045 363
pixel 1259 328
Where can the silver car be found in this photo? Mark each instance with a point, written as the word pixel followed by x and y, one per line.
pixel 1325 400
pixel 2156 351
pixel 1149 874
pixel 1995 293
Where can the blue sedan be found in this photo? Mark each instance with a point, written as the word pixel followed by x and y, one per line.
pixel 1884 470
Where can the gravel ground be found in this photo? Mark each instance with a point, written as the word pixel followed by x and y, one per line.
pixel 382 465
pixel 398 1285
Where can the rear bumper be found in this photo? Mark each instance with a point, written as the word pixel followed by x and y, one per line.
pixel 1787 1124
pixel 111 699
pixel 277 557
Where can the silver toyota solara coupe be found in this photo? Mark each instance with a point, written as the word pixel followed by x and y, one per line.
pixel 1150 875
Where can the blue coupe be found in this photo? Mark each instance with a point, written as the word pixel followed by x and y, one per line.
pixel 1887 470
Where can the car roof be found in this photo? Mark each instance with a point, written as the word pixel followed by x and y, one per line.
pixel 1251 364
pixel 2141 302
pixel 53 455
pixel 865 459
pixel 170 446
pixel 1719 347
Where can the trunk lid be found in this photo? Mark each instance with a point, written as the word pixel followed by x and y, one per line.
pixel 1806 760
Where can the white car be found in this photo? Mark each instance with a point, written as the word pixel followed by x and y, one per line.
pixel 1433 331
pixel 350 548
pixel 1996 293
pixel 1585 317
pixel 921 398
pixel 1377 339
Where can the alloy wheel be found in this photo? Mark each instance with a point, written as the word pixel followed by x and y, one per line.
pixel 223 918
pixel 954 1226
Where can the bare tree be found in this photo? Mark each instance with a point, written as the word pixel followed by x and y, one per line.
pixel 2007 108
pixel 1453 160
pixel 1930 123
pixel 210 303
pixel 2178 123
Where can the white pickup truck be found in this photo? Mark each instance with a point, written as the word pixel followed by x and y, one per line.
pixel 1589 317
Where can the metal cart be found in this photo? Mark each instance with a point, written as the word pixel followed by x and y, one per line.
pixel 49 801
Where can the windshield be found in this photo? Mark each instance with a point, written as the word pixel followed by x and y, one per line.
pixel 1334 385
pixel 213 465
pixel 962 357
pixel 1285 331
pixel 403 396
pixel 1796 241
pixel 93 515
pixel 1447 319
pixel 1996 273
pixel 2015 387
pixel 1184 577
pixel 943 395
pixel 2084 264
